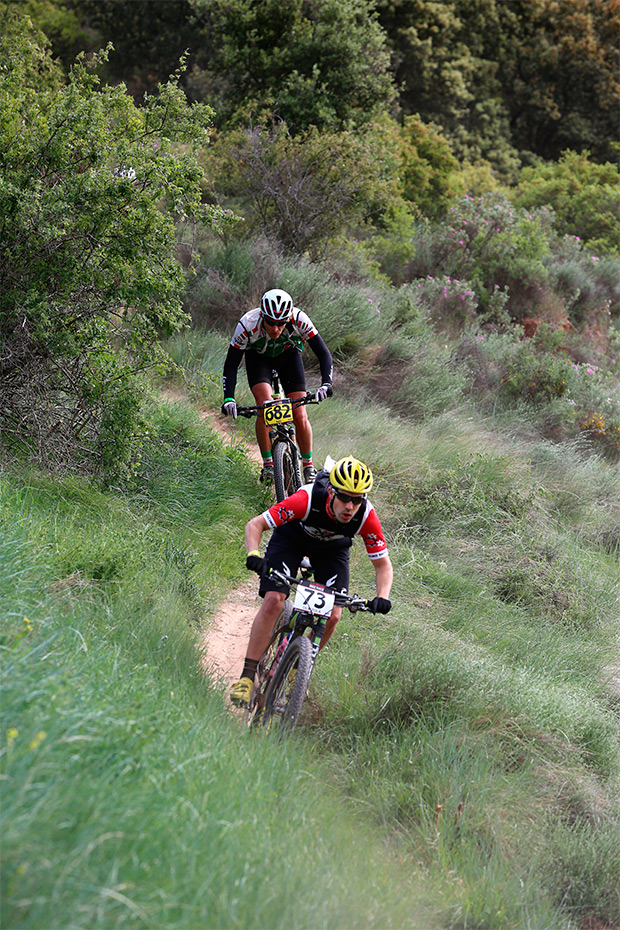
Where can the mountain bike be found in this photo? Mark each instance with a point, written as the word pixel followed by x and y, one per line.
pixel 278 414
pixel 284 670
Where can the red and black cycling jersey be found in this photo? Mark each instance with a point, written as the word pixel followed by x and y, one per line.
pixel 309 506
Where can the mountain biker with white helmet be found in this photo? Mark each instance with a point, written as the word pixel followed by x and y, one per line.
pixel 272 337
pixel 319 521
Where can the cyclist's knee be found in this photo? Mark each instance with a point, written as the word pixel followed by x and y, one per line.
pixel 261 392
pixel 300 417
pixel 274 600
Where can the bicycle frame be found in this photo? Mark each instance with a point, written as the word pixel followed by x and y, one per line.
pixel 294 645
pixel 286 456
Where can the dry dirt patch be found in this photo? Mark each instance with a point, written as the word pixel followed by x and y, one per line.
pixel 223 643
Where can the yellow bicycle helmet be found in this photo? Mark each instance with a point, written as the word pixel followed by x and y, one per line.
pixel 351 476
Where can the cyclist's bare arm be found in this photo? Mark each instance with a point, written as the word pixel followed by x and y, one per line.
pixel 384 574
pixel 254 530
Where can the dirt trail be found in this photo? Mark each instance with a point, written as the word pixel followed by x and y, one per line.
pixel 223 642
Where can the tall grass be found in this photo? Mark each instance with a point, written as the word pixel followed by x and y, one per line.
pixel 467 742
pixel 130 796
pixel 484 691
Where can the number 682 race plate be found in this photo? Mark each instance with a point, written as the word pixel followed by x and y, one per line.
pixel 278 411
pixel 313 597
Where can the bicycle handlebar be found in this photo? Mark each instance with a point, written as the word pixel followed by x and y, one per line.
pixel 352 601
pixel 255 409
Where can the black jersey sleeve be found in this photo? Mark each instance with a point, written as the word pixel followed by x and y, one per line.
pixel 317 344
pixel 231 367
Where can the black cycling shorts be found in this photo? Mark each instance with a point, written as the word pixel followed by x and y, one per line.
pixel 287 547
pixel 289 366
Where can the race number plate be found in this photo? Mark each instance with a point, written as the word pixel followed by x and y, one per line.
pixel 278 411
pixel 313 597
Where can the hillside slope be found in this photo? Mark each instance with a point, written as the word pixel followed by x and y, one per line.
pixel 479 720
pixel 469 739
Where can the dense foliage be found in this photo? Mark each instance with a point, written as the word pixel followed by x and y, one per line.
pixel 317 152
pixel 323 64
pixel 90 198
pixel 585 198
pixel 506 81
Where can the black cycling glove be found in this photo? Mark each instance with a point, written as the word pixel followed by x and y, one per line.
pixel 380 605
pixel 254 563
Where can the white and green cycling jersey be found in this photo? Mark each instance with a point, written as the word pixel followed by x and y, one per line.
pixel 250 333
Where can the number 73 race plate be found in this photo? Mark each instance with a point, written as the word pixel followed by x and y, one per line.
pixel 313 597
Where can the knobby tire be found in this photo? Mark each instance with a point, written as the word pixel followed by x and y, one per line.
pixel 282 622
pixel 283 704
pixel 286 471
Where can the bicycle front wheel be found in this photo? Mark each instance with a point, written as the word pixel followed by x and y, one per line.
pixel 287 691
pixel 265 670
pixel 286 470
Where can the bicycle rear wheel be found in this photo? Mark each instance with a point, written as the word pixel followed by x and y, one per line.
pixel 286 470
pixel 287 691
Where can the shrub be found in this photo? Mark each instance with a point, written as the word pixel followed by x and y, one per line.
pixel 535 377
pixel 588 285
pixel 302 191
pixel 493 245
pixel 447 301
pixel 568 397
pixel 89 278
pixel 584 196
pixel 429 170
pixel 231 279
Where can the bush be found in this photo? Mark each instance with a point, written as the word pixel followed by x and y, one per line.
pixel 493 245
pixel 429 170
pixel 584 196
pixel 89 277
pixel 447 301
pixel 230 280
pixel 302 191
pixel 588 285
pixel 570 398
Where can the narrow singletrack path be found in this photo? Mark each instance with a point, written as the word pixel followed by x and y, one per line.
pixel 223 642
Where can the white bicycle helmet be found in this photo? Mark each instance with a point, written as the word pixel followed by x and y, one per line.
pixel 276 306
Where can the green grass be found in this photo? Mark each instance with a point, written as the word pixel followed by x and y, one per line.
pixel 457 762
pixel 130 795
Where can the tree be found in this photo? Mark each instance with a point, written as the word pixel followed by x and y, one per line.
pixel 309 64
pixel 149 38
pixel 559 62
pixel 303 190
pixel 90 197
pixel 428 168
pixel 63 24
pixel 440 62
pixel 508 80
pixel 585 198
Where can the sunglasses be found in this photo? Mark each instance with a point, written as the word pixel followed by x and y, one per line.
pixel 349 498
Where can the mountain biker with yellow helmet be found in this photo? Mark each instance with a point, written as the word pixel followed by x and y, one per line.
pixel 319 521
pixel 272 337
